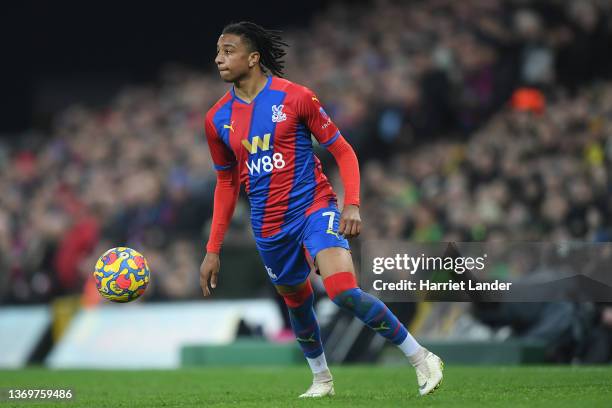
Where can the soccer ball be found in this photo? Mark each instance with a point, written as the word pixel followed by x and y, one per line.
pixel 122 274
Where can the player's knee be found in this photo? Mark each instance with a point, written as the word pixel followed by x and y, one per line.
pixel 299 297
pixel 340 286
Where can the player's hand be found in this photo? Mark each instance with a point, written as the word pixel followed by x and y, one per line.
pixel 350 221
pixel 209 271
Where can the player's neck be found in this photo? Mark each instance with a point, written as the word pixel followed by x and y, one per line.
pixel 249 87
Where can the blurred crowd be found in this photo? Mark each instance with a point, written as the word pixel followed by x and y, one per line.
pixel 523 176
pixel 417 70
pixel 420 89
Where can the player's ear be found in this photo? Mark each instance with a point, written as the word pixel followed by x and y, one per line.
pixel 254 59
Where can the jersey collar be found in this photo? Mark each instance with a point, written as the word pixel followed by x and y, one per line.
pixel 265 88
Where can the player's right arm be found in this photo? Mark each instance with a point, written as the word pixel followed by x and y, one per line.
pixel 225 198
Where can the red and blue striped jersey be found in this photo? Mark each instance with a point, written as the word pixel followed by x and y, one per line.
pixel 269 140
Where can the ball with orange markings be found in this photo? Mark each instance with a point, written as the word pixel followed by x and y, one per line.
pixel 121 274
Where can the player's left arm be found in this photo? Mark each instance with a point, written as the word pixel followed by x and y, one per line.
pixel 328 135
pixel 350 220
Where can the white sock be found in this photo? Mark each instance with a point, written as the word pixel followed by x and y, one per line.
pixel 322 377
pixel 318 364
pixel 409 346
pixel 417 358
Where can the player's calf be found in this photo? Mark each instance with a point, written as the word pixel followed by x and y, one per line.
pixel 343 290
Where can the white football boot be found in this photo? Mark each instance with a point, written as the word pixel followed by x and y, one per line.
pixel 322 386
pixel 429 372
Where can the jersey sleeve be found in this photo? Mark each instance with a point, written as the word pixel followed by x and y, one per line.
pixel 314 116
pixel 223 158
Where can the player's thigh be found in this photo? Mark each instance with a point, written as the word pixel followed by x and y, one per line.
pixel 334 260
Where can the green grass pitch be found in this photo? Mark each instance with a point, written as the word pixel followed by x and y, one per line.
pixel 356 386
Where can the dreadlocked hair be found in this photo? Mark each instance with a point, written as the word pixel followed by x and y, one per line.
pixel 268 43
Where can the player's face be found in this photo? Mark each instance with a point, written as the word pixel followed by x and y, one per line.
pixel 233 57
